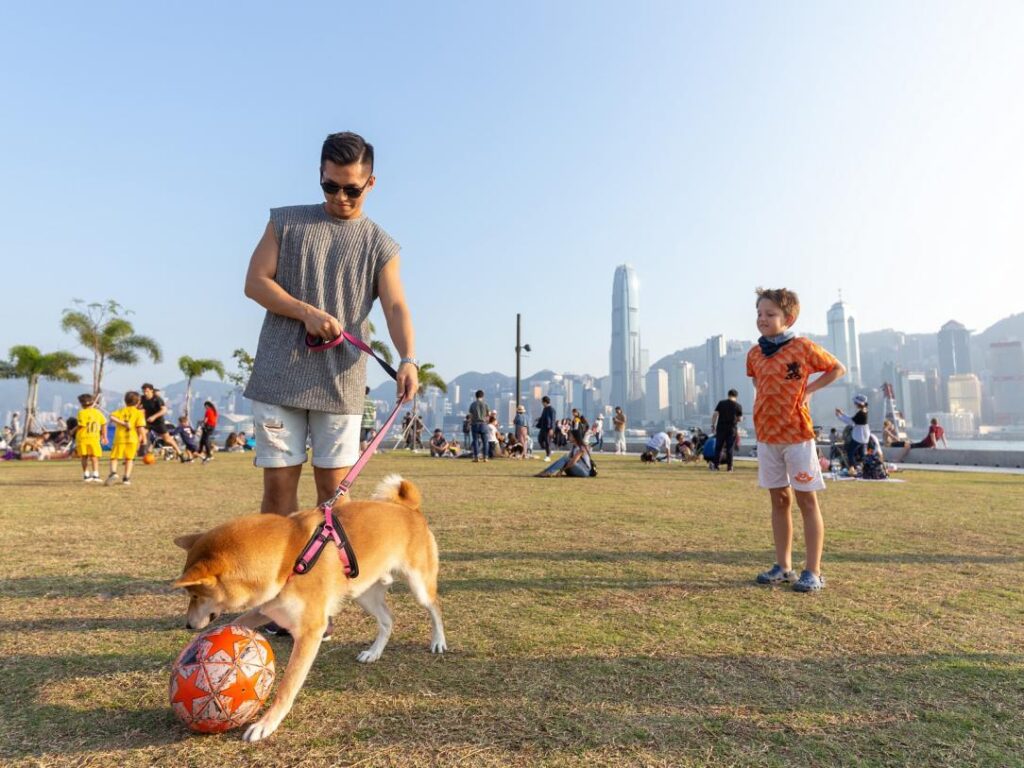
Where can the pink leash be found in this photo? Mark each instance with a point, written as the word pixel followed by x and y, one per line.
pixel 330 529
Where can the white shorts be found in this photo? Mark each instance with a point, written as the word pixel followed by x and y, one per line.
pixel 783 464
pixel 282 432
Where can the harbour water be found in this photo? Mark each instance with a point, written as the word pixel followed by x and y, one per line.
pixel 986 445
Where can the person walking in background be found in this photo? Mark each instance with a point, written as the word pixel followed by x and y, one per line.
pixel 724 423
pixel 155 409
pixel 479 410
pixel 467 426
pixel 546 426
pixel 619 425
pixel 206 428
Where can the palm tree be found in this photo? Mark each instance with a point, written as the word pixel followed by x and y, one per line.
pixel 378 346
pixel 109 336
pixel 193 369
pixel 29 363
pixel 427 378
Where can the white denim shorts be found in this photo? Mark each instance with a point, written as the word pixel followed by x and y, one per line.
pixel 282 434
pixel 783 464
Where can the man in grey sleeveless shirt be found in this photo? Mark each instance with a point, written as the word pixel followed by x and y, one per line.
pixel 318 269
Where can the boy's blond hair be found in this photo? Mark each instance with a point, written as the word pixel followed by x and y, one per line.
pixel 786 299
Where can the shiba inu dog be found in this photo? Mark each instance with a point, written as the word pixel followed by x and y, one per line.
pixel 246 565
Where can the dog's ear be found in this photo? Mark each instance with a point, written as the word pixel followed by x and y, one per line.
pixel 196 576
pixel 186 542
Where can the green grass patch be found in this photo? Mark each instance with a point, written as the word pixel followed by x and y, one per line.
pixel 602 622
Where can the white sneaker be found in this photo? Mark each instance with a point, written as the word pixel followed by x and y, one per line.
pixel 547 458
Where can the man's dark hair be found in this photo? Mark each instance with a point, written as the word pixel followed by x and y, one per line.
pixel 545 399
pixel 347 148
pixel 479 393
pixel 733 393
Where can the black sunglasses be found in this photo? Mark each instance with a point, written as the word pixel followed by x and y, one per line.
pixel 351 190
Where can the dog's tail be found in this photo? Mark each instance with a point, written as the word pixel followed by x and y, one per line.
pixel 394 488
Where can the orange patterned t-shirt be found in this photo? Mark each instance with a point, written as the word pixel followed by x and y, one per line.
pixel 780 415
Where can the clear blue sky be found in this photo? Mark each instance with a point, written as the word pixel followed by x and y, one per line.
pixel 523 152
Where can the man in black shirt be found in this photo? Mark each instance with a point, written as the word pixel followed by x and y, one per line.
pixel 724 421
pixel 155 409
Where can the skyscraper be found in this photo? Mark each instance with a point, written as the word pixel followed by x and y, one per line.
pixel 843 342
pixel 954 350
pixel 625 364
pixel 954 355
pixel 656 408
pixel 715 347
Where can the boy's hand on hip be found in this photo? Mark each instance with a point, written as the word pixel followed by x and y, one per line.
pixel 408 382
pixel 321 324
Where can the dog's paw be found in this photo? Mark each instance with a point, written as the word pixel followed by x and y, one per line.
pixel 259 730
pixel 368 656
pixel 438 646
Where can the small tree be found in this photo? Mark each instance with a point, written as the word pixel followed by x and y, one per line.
pixel 29 363
pixel 244 362
pixel 193 369
pixel 104 331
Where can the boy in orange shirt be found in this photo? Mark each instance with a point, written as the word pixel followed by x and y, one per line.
pixel 780 365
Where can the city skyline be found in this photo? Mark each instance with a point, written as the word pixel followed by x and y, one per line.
pixel 815 146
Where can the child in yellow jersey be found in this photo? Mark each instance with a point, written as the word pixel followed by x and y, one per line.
pixel 130 433
pixel 89 434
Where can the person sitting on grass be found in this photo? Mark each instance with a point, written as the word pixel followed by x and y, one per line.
pixel 438 445
pixel 931 440
pixel 576 463
pixel 683 448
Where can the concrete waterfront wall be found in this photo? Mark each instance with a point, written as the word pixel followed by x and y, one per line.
pixel 947 457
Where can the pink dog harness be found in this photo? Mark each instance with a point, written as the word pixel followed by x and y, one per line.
pixel 330 529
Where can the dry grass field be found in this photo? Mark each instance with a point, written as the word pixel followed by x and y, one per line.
pixel 603 622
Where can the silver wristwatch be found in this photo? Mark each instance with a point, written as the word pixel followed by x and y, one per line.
pixel 411 361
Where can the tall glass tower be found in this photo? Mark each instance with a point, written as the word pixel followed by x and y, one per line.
pixel 624 363
pixel 843 342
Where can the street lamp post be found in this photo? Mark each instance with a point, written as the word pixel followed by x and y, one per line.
pixel 520 348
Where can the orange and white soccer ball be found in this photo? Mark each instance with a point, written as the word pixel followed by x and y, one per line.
pixel 222 679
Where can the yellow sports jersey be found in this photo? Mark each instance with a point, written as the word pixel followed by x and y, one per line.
pixel 134 418
pixel 90 424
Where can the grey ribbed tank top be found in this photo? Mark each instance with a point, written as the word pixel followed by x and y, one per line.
pixel 333 265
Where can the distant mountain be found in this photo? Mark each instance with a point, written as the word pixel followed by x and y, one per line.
pixel 1008 329
pixel 13 391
